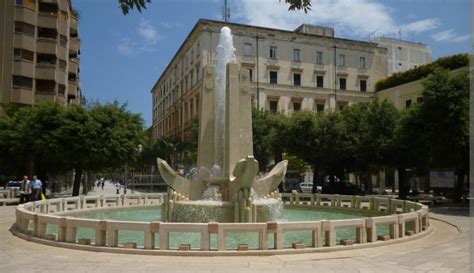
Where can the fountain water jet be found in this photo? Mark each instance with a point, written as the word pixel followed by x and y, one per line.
pixel 225 188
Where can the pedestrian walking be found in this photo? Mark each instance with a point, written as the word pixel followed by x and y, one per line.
pixel 25 190
pixel 36 186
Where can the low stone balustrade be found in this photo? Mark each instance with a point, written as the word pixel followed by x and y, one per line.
pixel 32 220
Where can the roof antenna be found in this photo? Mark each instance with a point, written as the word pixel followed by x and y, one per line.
pixel 400 34
pixel 225 12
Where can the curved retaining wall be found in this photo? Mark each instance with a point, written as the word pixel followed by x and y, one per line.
pixel 32 220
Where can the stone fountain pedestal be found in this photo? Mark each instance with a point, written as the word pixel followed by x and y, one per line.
pixel 225 155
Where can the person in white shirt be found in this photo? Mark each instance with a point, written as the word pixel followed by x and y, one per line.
pixel 117 187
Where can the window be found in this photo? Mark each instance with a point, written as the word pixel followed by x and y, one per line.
pixel 61 89
pixel 45 59
pixel 62 64
pixel 319 81
pixel 296 79
pixel 62 40
pixel 363 85
pixel 296 106
pixel 273 106
pixel 342 60
pixel 273 77
pixel 251 74
pixel 342 83
pixel 248 49
pixel 419 99
pixel 22 82
pixel 22 54
pixel 362 62
pixel 24 28
pixel 273 52
pixel 319 57
pixel 47 33
pixel 48 8
pixel 407 103
pixel 19 2
pixel 296 55
pixel 319 107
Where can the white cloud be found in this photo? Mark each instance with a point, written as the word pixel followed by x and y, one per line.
pixel 349 18
pixel 421 26
pixel 144 40
pixel 450 36
pixel 148 32
pixel 125 47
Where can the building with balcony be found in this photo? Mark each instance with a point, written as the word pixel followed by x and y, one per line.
pixel 39 52
pixel 404 55
pixel 308 68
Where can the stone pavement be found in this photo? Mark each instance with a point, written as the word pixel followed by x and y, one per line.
pixel 446 249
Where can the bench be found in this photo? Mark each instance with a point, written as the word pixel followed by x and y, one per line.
pixel 5 201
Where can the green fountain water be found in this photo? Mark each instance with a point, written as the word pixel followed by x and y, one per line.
pixel 232 239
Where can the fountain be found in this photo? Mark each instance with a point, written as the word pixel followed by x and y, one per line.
pixel 225 189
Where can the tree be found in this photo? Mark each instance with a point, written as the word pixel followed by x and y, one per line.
pixel 28 139
pixel 127 5
pixel 269 136
pixel 410 147
pixel 370 129
pixel 445 112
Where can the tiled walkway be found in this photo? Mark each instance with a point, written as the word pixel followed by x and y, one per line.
pixel 444 250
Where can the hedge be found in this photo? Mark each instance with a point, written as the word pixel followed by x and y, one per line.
pixel 450 63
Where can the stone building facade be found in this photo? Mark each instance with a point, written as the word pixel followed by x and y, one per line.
pixel 308 68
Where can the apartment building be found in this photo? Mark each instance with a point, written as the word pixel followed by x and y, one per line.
pixel 404 55
pixel 308 68
pixel 39 52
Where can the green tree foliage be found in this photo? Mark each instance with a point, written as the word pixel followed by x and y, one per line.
pixel 49 139
pixel 445 112
pixel 269 137
pixel 450 63
pixel 410 147
pixel 127 5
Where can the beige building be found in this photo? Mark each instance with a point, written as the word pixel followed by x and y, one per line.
pixel 39 52
pixel 404 55
pixel 308 68
pixel 404 95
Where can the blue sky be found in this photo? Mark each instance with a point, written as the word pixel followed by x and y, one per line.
pixel 123 56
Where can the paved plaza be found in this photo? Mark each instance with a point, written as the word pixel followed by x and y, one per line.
pixel 446 249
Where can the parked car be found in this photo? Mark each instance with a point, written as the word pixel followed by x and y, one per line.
pixel 307 187
pixel 345 188
pixel 13 185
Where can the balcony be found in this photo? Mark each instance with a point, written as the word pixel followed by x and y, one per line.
pixel 72 89
pixel 24 41
pixel 62 53
pixel 23 68
pixel 46 71
pixel 75 44
pixel 26 15
pixel 62 28
pixel 73 25
pixel 46 20
pixel 73 66
pixel 48 46
pixel 22 95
